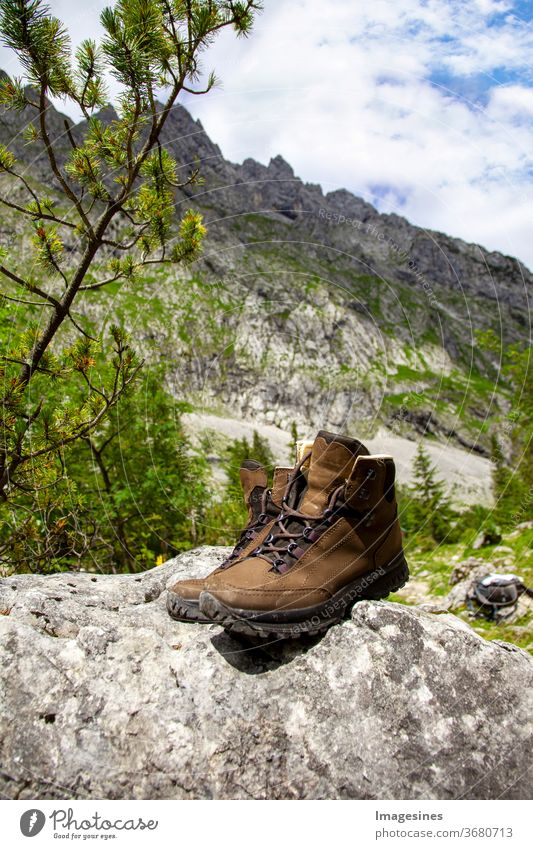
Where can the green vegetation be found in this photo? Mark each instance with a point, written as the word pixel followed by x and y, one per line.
pixel 128 493
pixel 437 537
pixel 513 475
pixel 240 450
pixel 431 568
pixel 427 512
pixel 460 397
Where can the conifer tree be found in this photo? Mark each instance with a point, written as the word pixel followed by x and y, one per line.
pixel 512 436
pixel 429 507
pixel 112 201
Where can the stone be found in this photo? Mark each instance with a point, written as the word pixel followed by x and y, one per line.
pixel 502 564
pixel 104 696
pixel 465 568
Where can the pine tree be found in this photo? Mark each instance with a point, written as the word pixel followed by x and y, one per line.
pixel 429 506
pixel 114 196
pixel 512 438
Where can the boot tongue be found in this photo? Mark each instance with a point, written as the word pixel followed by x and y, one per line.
pixel 279 485
pixel 254 481
pixel 332 459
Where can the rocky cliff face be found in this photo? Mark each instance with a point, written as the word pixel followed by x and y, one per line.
pixel 316 308
pixel 104 696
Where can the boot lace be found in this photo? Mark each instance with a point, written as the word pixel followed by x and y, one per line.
pixel 295 531
pixel 252 529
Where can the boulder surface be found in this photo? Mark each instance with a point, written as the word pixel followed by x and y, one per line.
pixel 104 696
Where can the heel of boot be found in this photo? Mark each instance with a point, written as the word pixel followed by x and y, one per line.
pixel 395 577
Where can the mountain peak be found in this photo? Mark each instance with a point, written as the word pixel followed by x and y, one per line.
pixel 280 168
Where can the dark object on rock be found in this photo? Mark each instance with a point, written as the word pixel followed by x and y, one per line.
pixel 488 536
pixel 496 597
pixel 263 506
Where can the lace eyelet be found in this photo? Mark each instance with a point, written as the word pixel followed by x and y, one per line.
pixel 268 539
pixel 371 473
pixel 306 532
pixel 279 562
pixel 263 518
pixel 292 546
pixel 363 493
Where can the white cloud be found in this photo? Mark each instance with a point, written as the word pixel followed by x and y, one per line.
pixel 343 91
pixel 512 102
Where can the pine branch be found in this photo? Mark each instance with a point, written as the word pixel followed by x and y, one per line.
pixel 66 124
pixel 25 183
pixel 80 328
pixel 88 425
pixel 37 214
pixel 20 362
pixel 92 287
pixel 21 301
pixel 43 108
pixel 126 246
pixel 30 287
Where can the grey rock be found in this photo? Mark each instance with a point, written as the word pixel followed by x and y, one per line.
pixel 464 575
pixel 104 696
pixel 465 569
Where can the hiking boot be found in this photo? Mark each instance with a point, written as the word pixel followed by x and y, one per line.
pixel 263 506
pixel 341 542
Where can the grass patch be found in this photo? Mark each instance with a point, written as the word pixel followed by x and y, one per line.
pixel 433 566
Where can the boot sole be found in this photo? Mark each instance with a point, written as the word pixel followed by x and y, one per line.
pixel 185 610
pixel 290 624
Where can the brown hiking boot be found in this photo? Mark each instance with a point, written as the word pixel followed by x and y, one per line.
pixel 263 507
pixel 342 542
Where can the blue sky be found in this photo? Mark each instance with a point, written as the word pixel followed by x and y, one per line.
pixel 423 107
